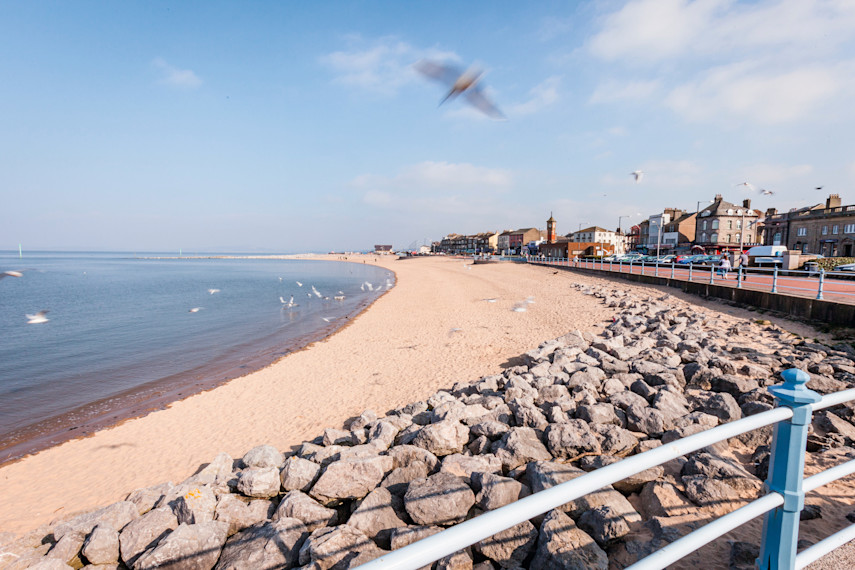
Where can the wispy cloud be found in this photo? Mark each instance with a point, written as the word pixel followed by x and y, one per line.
pixel 541 96
pixel 171 75
pixel 612 91
pixel 381 66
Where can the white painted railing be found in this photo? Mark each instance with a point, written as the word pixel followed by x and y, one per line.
pixel 785 498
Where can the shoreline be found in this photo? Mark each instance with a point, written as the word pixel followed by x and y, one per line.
pixel 433 329
pixel 140 401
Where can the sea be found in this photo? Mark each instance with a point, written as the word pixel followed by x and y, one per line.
pixel 129 333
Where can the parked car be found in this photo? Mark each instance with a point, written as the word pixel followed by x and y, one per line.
pixel 846 267
pixel 666 258
pixel 708 260
pixel 689 259
pixel 766 255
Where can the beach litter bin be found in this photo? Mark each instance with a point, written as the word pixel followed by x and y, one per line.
pixel 812 268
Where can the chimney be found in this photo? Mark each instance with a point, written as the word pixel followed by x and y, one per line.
pixel 717 198
pixel 746 203
pixel 771 211
pixel 833 201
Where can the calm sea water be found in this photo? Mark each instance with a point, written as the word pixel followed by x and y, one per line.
pixel 121 338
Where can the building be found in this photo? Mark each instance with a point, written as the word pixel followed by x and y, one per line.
pixel 554 246
pixel 484 242
pixel 616 241
pixel 827 229
pixel 503 243
pixel 723 226
pixel 522 238
pixel 383 249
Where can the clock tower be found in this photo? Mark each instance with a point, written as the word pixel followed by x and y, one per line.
pixel 550 229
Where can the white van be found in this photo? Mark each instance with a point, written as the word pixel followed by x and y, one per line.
pixel 766 255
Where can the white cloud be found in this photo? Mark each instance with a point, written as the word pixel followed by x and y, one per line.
pixel 435 187
pixel 382 66
pixel 541 96
pixel 611 91
pixel 171 75
pixel 746 91
pixel 655 30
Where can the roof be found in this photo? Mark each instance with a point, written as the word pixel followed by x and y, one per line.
pixel 593 229
pixel 719 207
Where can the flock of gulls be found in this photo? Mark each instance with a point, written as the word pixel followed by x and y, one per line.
pixel 40 317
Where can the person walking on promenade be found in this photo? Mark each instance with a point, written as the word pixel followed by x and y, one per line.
pixel 743 263
pixel 724 266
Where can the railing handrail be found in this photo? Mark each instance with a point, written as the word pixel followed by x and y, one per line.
pixel 469 532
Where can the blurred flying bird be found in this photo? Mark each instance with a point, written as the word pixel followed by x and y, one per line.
pixel 195 309
pixel 298 283
pixel 520 307
pixel 11 274
pixel 747 185
pixel 37 318
pixel 327 319
pixel 466 83
pixel 819 188
pixel 492 300
pixel 452 331
pixel 316 292
pixel 639 174
pixel 339 297
pixel 766 192
pixel 212 291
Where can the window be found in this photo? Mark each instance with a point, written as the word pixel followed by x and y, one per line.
pixel 776 240
pixel 802 232
pixel 730 224
pixel 849 229
pixel 738 238
pixel 825 230
pixel 714 238
pixel 728 238
pixel 834 229
pixel 715 224
pixel 704 226
pixel 739 224
pixel 704 237
pixel 804 248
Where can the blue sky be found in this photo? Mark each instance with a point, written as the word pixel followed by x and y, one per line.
pixel 302 126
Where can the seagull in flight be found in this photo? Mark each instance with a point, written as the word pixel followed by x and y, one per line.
pixel 492 300
pixel 298 283
pixel 766 192
pixel 747 185
pixel 819 188
pixel 639 174
pixel 37 318
pixel 195 310
pixel 212 291
pixel 290 303
pixel 520 307
pixel 11 274
pixel 466 83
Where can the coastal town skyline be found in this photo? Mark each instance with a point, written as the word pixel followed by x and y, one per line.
pixel 270 128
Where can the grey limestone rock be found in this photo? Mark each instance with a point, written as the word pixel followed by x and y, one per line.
pixel 145 499
pixel 510 547
pixel 196 506
pixel 259 482
pixel 520 446
pixel 563 546
pixel 145 532
pixel 334 436
pixel 406 535
pixel 102 545
pixel 497 491
pixel 240 514
pixel 600 413
pixel 399 479
pixel 465 465
pixel 349 479
pixel 440 499
pixel 722 405
pixel 218 472
pixel 188 547
pixel 646 420
pixel 403 455
pixel 262 456
pixel 570 440
pixel 275 544
pixel 67 549
pixel 298 474
pixel 604 524
pixel 342 546
pixel 442 438
pixel 116 515
pixel 298 505
pixel 377 512
pixel 614 440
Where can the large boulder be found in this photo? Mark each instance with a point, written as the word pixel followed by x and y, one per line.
pixel 262 456
pixel 188 547
pixel 440 499
pixel 297 505
pixel 299 474
pixel 102 545
pixel 520 446
pixel 349 479
pixel 563 546
pixel 259 482
pixel 442 438
pixel 240 514
pixel 509 547
pixel 497 491
pixel 195 506
pixel 342 546
pixel 378 512
pixel 571 440
pixel 275 544
pixel 145 532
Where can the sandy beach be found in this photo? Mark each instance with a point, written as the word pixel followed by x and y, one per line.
pixel 402 349
pixel 433 329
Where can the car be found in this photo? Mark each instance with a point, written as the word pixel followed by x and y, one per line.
pixel 846 267
pixel 689 259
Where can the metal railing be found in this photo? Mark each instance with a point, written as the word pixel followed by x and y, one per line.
pixel 819 284
pixel 781 505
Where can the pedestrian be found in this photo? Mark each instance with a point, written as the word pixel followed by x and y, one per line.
pixel 743 263
pixel 724 266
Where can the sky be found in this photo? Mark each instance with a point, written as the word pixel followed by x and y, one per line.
pixel 303 126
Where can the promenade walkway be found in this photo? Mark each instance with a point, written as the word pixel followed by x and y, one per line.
pixel 833 286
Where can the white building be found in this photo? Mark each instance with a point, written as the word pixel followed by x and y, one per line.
pixel 596 234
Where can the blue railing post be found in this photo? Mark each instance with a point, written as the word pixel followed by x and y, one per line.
pixel 712 274
pixel 656 270
pixel 821 281
pixel 739 278
pixel 690 271
pixel 775 279
pixel 642 266
pixel 786 471
pixel 672 270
